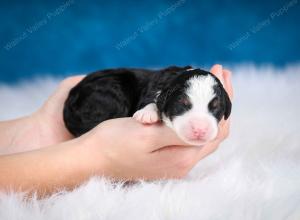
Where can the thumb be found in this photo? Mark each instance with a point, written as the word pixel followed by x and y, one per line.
pixel 56 100
pixel 163 136
pixel 65 86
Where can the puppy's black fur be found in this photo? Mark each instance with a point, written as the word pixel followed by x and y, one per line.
pixel 113 93
pixel 173 100
pixel 116 93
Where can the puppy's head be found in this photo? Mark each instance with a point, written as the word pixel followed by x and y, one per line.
pixel 193 104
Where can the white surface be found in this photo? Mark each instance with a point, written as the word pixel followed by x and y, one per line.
pixel 255 173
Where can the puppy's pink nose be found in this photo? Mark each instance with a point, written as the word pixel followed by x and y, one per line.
pixel 199 131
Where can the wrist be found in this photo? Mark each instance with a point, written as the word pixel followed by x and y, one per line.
pixel 17 134
pixel 65 165
pixel 51 128
pixel 90 149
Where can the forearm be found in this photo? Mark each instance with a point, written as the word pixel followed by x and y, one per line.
pixel 46 170
pixel 13 131
pixel 31 132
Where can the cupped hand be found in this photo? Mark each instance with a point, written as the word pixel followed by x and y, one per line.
pixel 49 117
pixel 129 150
pixel 42 128
pixel 122 149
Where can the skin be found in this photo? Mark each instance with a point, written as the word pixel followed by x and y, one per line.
pixel 39 154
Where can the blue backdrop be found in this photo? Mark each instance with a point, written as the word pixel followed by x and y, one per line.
pixel 65 37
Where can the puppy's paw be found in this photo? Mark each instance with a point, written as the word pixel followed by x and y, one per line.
pixel 147 115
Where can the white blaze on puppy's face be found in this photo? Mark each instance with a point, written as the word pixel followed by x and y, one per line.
pixel 196 126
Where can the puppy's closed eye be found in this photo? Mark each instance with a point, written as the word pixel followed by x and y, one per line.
pixel 184 101
pixel 215 103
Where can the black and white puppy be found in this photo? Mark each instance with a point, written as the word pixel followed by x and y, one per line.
pixel 189 101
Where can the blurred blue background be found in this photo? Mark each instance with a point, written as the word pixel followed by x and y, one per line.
pixel 67 37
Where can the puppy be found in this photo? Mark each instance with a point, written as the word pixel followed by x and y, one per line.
pixel 189 101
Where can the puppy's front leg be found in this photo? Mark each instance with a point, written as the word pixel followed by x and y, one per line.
pixel 147 115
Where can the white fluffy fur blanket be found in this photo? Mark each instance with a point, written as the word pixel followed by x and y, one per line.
pixel 255 173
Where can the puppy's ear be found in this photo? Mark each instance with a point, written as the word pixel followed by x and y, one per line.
pixel 227 105
pixel 162 99
pixel 226 99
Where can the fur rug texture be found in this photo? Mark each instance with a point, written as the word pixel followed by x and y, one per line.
pixel 255 173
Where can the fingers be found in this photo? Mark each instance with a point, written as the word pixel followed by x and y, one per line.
pixel 69 82
pixel 224 76
pixel 185 157
pixel 178 159
pixel 55 102
pixel 217 70
pixel 228 85
pixel 153 137
pixel 159 136
pixel 224 127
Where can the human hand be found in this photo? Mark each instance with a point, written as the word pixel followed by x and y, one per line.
pixel 50 116
pixel 118 148
pixel 126 149
pixel 42 128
